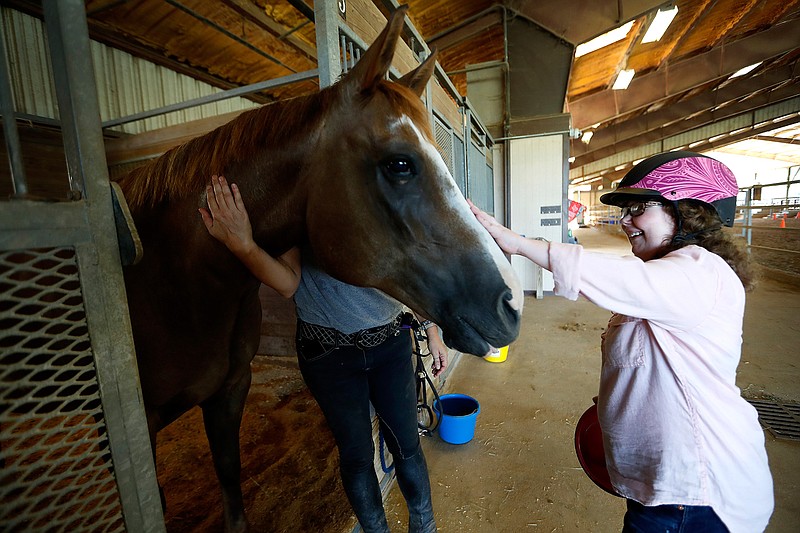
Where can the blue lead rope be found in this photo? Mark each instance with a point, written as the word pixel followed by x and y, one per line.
pixel 386 469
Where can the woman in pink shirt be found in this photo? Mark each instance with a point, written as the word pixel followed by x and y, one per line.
pixel 681 444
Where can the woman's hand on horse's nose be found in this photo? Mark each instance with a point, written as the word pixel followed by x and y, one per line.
pixel 507 240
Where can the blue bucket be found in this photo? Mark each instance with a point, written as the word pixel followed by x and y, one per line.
pixel 457 414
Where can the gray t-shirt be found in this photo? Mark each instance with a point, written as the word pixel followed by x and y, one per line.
pixel 326 301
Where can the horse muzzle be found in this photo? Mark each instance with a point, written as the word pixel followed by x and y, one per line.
pixel 478 335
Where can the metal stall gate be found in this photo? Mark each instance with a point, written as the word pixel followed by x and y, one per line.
pixel 74 444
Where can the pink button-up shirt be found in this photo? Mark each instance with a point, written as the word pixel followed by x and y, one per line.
pixel 676 429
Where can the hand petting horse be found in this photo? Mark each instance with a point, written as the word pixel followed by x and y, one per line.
pixel 352 171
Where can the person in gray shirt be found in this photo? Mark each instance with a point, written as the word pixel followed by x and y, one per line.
pixel 352 354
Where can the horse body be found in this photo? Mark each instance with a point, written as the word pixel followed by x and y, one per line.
pixel 351 172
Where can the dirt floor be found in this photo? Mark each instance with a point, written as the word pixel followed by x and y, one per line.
pixel 290 477
pixel 520 472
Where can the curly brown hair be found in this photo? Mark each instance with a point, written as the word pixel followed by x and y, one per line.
pixel 700 224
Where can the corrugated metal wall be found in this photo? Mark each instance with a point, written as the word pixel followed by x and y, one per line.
pixel 125 84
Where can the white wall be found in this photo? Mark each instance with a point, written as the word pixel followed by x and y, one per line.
pixel 537 180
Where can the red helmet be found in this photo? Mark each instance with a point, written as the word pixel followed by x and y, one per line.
pixel 590 451
pixel 679 175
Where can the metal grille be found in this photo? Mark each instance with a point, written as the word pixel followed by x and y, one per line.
pixel 444 143
pixel 781 419
pixel 480 181
pixel 460 173
pixel 57 469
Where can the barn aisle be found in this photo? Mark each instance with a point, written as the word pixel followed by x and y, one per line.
pixel 520 472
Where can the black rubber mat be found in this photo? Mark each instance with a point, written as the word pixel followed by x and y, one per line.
pixel 782 420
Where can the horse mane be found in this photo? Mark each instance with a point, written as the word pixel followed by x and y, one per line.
pixel 187 168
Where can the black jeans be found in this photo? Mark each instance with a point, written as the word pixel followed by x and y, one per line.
pixel 344 381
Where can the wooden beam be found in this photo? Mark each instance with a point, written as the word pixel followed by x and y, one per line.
pixel 249 10
pixel 700 120
pixel 716 64
pixel 784 140
pixel 606 139
pixel 450 38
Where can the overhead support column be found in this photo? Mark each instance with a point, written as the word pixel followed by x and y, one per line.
pixel 13 147
pixel 329 63
pixel 101 283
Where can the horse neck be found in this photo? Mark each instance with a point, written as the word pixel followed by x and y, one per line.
pixel 274 190
pixel 277 217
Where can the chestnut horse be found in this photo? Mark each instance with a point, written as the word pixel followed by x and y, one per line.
pixel 351 171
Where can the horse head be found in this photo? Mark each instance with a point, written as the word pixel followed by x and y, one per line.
pixel 408 230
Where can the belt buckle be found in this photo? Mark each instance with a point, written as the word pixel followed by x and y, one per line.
pixel 378 336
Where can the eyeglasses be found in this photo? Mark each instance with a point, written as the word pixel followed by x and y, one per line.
pixel 639 208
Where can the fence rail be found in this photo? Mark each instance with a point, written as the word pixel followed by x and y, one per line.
pixel 774 220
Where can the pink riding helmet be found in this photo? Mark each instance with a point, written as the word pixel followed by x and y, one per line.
pixel 679 175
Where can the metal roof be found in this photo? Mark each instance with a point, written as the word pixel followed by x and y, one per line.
pixel 682 86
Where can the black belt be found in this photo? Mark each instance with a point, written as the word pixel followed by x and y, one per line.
pixel 364 339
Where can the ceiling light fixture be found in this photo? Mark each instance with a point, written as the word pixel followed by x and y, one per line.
pixel 746 70
pixel 660 24
pixel 586 137
pixel 623 79
pixel 607 38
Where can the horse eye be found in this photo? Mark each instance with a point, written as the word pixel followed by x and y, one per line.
pixel 399 168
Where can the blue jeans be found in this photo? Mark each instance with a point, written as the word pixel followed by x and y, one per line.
pixel 344 381
pixel 671 519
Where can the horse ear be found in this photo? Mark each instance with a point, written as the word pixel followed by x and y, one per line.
pixel 375 63
pixel 417 79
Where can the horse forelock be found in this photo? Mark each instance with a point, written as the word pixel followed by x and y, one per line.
pixel 404 102
pixel 186 169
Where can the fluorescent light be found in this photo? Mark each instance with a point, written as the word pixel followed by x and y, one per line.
pixel 745 70
pixel 660 24
pixel 587 136
pixel 604 40
pixel 623 79
pixel 572 159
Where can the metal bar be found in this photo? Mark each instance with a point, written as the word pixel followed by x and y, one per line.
pixel 532 135
pixel 767 228
pixel 774 249
pixel 481 66
pixel 343 48
pixel 103 288
pixel 326 13
pixel 352 53
pixel 28 224
pixel 13 146
pixel 224 95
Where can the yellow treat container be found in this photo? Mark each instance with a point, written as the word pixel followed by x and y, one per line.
pixel 498 357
